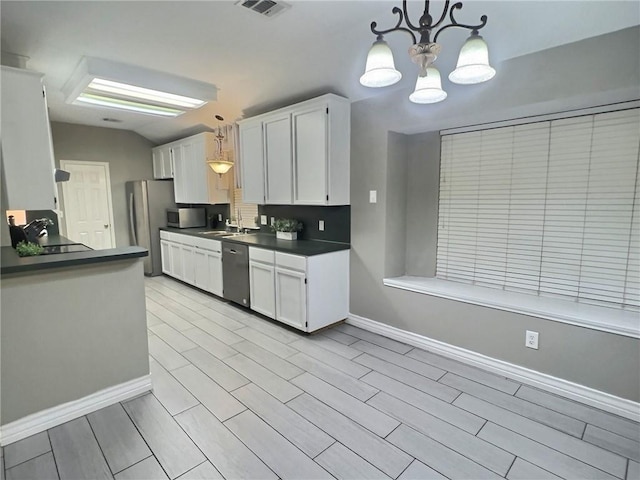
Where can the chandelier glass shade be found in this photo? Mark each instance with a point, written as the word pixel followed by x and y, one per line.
pixel 473 61
pixel 380 70
pixel 428 88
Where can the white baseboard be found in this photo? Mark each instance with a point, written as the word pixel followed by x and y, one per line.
pixel 596 398
pixel 51 417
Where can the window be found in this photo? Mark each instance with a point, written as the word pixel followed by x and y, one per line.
pixel 548 208
pixel 247 211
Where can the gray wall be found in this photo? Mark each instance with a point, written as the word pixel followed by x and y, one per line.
pixel 404 171
pixel 128 155
pixel 70 332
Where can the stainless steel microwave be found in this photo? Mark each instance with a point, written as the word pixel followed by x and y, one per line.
pixel 186 217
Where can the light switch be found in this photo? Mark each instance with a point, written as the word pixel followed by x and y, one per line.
pixel 373 196
pixel 219 217
pixel 263 219
pixel 321 225
pixel 273 220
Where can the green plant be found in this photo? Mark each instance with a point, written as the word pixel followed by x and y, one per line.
pixel 28 249
pixel 286 225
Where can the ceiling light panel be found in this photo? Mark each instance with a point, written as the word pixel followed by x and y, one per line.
pixel 103 83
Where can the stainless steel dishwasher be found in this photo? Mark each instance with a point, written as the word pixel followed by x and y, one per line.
pixel 235 273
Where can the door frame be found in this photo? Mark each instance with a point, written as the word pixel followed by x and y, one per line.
pixel 63 165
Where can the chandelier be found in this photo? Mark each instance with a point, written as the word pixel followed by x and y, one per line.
pixel 221 163
pixel 473 61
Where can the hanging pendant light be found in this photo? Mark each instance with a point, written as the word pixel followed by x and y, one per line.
pixel 380 70
pixel 428 88
pixel 473 62
pixel 220 163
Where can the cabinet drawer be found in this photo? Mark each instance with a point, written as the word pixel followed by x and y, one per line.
pixel 294 262
pixel 164 235
pixel 207 244
pixel 261 255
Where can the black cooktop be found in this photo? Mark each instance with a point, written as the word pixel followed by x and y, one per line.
pixel 66 248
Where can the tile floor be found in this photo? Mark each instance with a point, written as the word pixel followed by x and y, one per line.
pixel 237 397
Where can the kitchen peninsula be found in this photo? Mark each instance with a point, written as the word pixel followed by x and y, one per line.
pixel 73 336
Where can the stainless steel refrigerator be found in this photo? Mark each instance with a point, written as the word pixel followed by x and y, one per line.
pixel 147 201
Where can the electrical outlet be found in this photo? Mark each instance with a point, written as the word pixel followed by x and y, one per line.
pixel 373 196
pixel 219 217
pixel 531 339
pixel 263 219
pixel 321 225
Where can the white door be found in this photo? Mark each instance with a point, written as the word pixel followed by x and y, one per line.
pixel 188 264
pixel 87 204
pixel 214 260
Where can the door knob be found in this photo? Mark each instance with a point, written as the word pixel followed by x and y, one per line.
pixel 106 225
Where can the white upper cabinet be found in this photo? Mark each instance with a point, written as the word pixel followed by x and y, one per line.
pixel 252 164
pixel 162 162
pixel 193 179
pixel 300 154
pixel 277 158
pixel 27 148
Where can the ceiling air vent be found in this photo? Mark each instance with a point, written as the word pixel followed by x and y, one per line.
pixel 267 8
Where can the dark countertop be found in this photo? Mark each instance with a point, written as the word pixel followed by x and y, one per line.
pixel 12 263
pixel 306 248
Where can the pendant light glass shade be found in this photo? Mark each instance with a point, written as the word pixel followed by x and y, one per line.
pixel 473 62
pixel 428 88
pixel 380 70
pixel 220 166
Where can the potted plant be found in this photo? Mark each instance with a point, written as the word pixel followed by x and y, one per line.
pixel 286 228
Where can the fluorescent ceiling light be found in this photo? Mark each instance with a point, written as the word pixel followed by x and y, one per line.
pixel 103 83
pixel 140 93
pixel 127 105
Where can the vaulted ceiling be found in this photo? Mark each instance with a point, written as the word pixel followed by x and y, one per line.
pixel 259 63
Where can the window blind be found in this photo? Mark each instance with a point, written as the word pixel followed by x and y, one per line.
pixel 248 211
pixel 548 208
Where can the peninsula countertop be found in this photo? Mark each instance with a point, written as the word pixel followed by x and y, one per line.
pixel 12 263
pixel 268 241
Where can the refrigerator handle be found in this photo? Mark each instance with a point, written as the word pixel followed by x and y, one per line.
pixel 132 222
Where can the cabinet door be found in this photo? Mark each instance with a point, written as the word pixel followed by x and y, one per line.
pixel 262 288
pixel 188 264
pixel 162 162
pixel 181 173
pixel 27 149
pixel 252 152
pixel 214 262
pixel 197 171
pixel 278 162
pixel 291 297
pixel 166 257
pixel 310 156
pixel 201 269
pixel 175 255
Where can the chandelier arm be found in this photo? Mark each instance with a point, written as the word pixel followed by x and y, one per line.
pixel 444 14
pixel 394 29
pixel 475 28
pixel 406 14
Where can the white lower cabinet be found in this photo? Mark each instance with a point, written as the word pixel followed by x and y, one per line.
pixel 262 281
pixel 196 261
pixel 166 257
pixel 188 264
pixel 307 293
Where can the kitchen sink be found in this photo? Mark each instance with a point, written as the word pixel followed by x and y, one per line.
pixel 218 233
